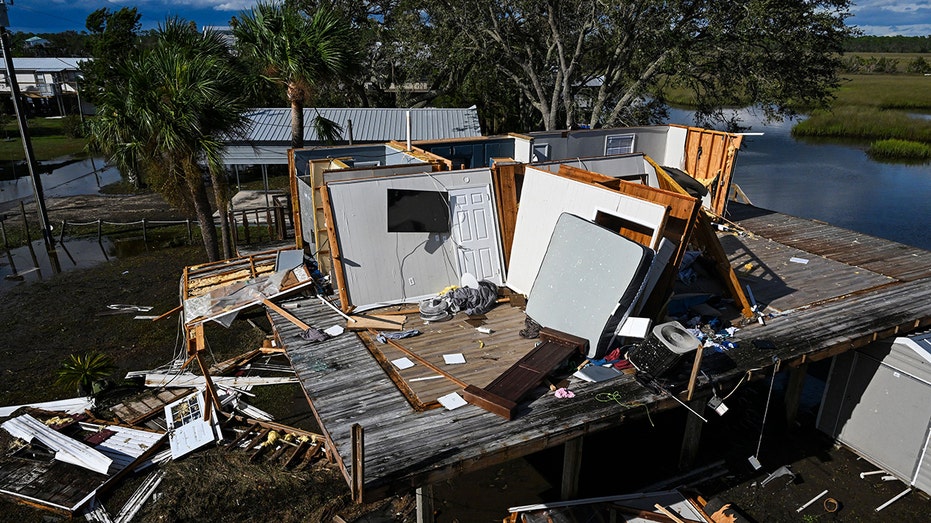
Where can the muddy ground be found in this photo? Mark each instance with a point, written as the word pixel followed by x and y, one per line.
pixel 42 323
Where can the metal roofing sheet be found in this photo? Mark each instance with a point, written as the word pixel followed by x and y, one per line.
pixel 273 124
pixel 47 64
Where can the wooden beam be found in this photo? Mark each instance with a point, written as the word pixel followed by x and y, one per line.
pixel 333 240
pixel 696 366
pixel 286 315
pixel 358 462
pixel 169 313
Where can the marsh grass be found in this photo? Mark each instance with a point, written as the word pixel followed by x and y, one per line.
pixel 893 91
pixel 899 150
pixel 864 123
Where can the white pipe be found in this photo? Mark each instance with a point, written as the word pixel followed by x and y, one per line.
pixel 816 498
pixel 893 500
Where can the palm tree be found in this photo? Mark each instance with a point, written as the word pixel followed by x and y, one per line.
pixel 177 103
pixel 298 52
pixel 80 372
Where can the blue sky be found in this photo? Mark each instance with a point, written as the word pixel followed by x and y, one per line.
pixel 874 17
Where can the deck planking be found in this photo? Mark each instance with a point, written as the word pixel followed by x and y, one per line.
pixel 823 308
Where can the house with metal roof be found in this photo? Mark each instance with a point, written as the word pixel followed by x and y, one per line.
pixel 49 85
pixel 267 137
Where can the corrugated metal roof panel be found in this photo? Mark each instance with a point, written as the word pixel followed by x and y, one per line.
pixel 47 64
pixel 273 124
pixel 127 445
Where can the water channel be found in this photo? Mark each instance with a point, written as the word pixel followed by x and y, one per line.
pixel 835 183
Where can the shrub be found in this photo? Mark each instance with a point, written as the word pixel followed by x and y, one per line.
pixel 80 372
pixel 899 150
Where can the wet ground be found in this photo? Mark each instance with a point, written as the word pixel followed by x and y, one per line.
pixel 641 457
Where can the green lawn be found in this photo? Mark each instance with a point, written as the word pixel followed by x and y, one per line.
pixel 49 140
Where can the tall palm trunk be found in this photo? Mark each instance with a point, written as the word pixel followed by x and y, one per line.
pixel 221 196
pixel 204 217
pixel 296 97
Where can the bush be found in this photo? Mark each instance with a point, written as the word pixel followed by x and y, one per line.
pixel 899 150
pixel 73 127
pixel 81 372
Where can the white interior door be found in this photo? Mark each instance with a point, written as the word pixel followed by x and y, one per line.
pixel 474 229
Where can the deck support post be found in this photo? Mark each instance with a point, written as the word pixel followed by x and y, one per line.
pixel 424 497
pixel 692 434
pixel 571 467
pixel 794 389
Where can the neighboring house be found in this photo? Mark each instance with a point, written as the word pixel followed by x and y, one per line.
pixel 268 135
pixel 48 85
pixel 35 41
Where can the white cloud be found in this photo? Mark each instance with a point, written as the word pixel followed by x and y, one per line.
pixel 890 17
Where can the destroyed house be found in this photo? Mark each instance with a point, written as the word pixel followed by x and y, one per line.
pixel 582 232
pixel 490 293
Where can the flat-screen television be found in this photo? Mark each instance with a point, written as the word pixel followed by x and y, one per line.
pixel 418 211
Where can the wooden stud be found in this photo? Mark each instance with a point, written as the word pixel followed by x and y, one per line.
pixel 334 249
pixel 286 315
pixel 358 462
pixel 169 313
pixel 696 366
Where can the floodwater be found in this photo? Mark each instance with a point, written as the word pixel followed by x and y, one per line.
pixel 835 183
pixel 74 177
pixel 32 263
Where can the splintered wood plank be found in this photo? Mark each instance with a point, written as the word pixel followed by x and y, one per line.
pixel 384 322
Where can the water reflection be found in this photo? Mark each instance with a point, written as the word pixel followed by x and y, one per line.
pixel 78 177
pixel 33 263
pixel 834 183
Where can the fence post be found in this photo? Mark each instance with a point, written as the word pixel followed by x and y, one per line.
pixel 6 246
pixel 145 239
pixel 268 222
pixel 234 227
pixel 245 227
pixel 99 229
pixel 61 237
pixel 190 233
pixel 279 222
pixel 22 209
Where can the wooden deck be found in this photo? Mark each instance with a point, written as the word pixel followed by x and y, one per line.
pixel 854 289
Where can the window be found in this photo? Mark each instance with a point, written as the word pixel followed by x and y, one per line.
pixel 541 152
pixel 418 211
pixel 619 144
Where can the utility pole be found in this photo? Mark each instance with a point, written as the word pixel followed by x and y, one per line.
pixel 24 130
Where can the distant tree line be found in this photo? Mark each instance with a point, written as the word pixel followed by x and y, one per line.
pixel 888 44
pixel 859 64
